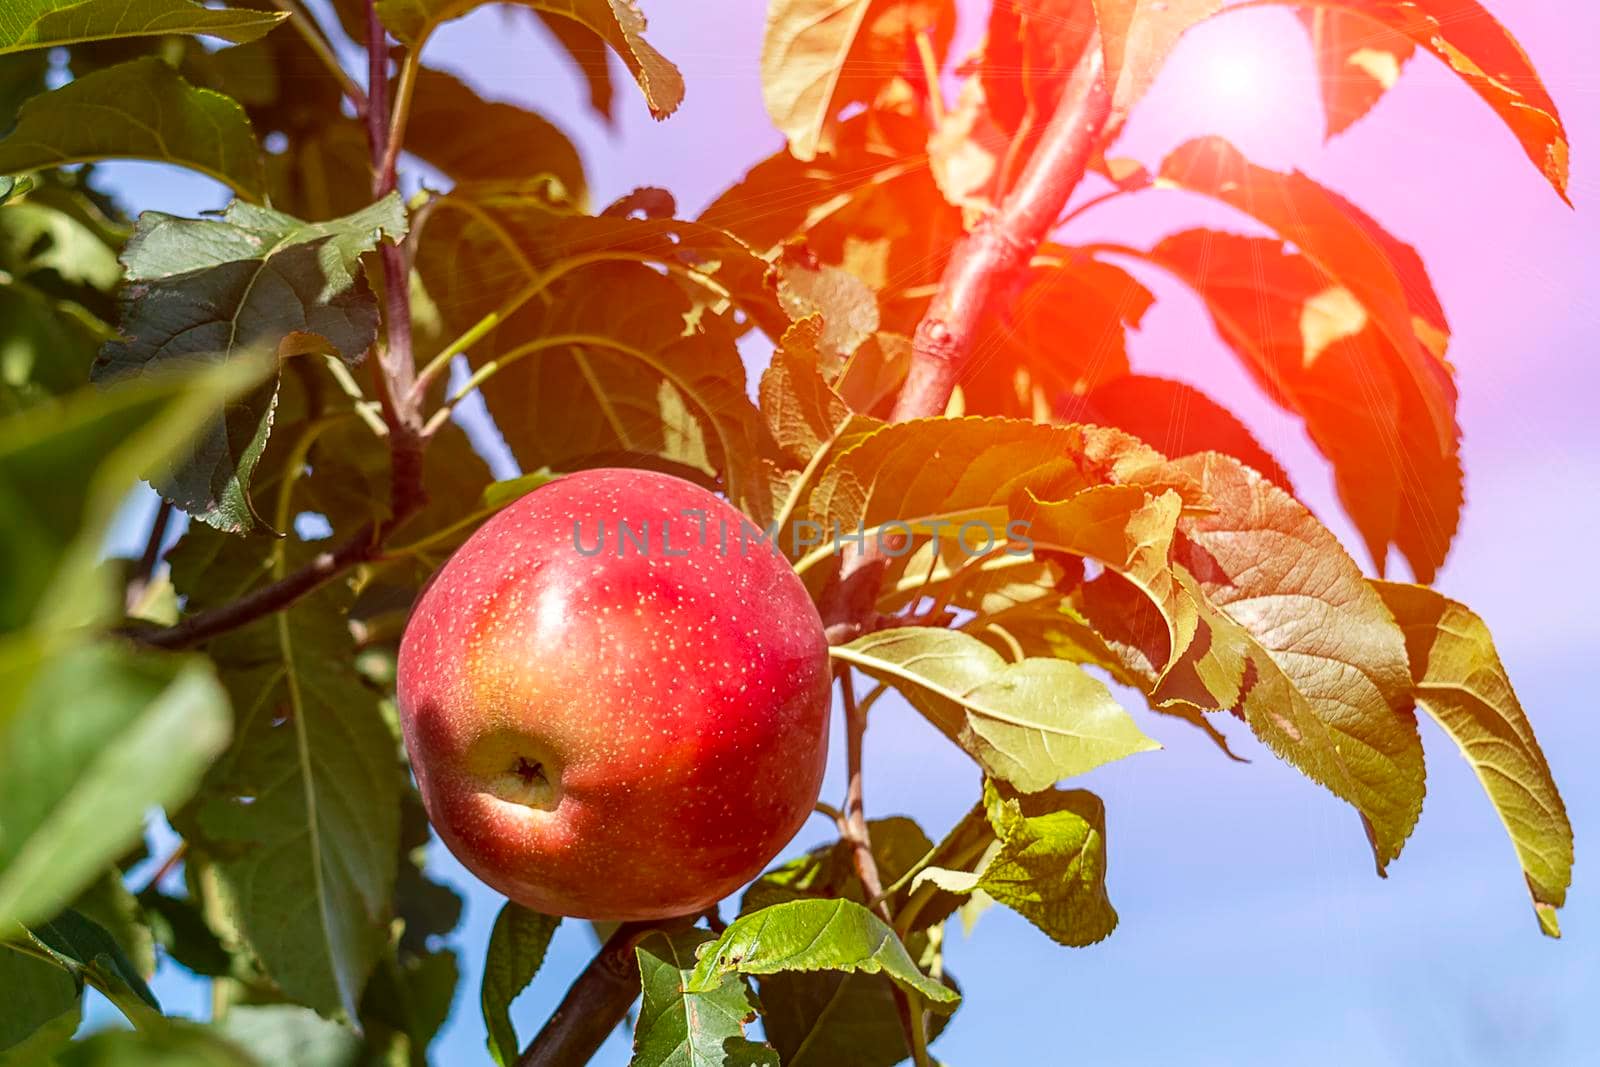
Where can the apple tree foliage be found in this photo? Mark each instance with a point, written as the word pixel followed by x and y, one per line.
pixel 940 349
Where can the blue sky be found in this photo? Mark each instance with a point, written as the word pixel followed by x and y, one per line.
pixel 1253 929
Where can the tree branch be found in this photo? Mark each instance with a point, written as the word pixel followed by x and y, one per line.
pixel 853 826
pixel 269 598
pixel 146 567
pixel 989 259
pixel 597 1001
pixel 984 265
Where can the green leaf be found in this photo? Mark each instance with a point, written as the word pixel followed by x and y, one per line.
pixel 290 1034
pixel 811 935
pixel 51 23
pixel 60 228
pixel 1049 864
pixel 47 348
pixel 489 247
pixel 829 871
pixel 1031 723
pixel 1324 679
pixel 612 371
pixel 682 1029
pixel 43 1008
pixel 619 23
pixel 88 952
pixel 172 1043
pixel 182 933
pixel 142 109
pixel 848 308
pixel 827 1019
pixel 411 998
pixel 10 187
pixel 101 735
pixel 299 817
pixel 65 470
pixel 472 139
pixel 516 951
pixel 108 902
pixel 1462 684
pixel 252 283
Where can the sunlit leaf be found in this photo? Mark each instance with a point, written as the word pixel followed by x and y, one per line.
pixel 1468 39
pixel 28 24
pixel 517 947
pixel 1064 332
pixel 1031 723
pixel 619 23
pixel 818 56
pixel 1136 36
pixel 846 305
pixel 677 1028
pixel 1328 688
pixel 1048 864
pixel 1358 60
pixel 1462 684
pixel 587 50
pixel 142 109
pixel 809 935
pixel 1175 418
pixel 1315 349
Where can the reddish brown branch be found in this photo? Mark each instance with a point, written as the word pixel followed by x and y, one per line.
pixel 853 826
pixel 989 259
pixel 596 1002
pixel 145 569
pixel 267 599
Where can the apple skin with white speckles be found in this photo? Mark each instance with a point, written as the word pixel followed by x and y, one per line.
pixel 618 734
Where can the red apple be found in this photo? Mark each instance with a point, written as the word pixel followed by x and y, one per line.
pixel 628 733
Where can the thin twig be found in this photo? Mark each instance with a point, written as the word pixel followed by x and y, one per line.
pixel 262 602
pixel 168 865
pixel 139 583
pixel 854 829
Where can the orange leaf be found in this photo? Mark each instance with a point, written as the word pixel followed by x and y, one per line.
pixel 1471 42
pixel 1328 232
pixel 1175 418
pixel 1312 347
pixel 1358 60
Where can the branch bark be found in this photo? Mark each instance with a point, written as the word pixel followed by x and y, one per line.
pixel 985 265
pixel 595 1004
pixel 991 258
pixel 269 598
